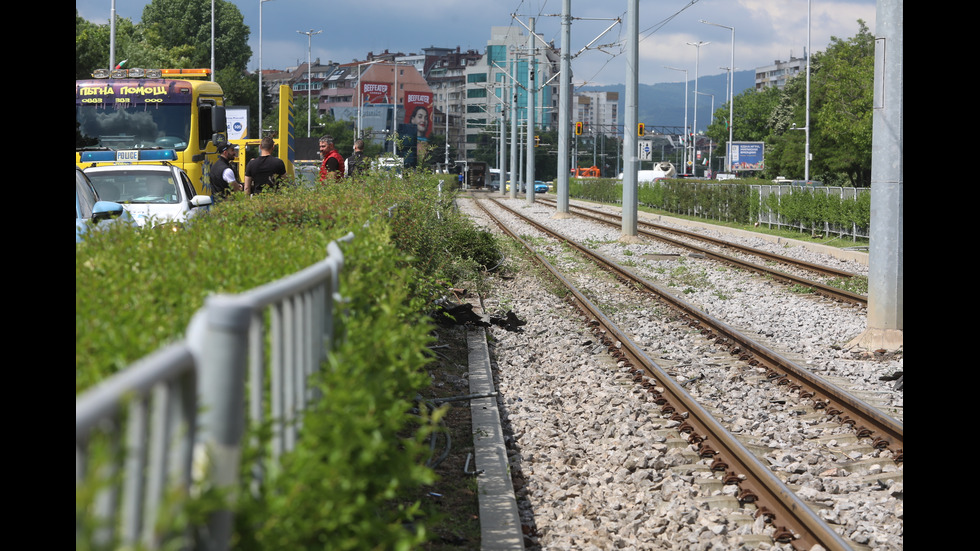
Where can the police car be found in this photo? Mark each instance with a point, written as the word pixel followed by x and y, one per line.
pixel 152 192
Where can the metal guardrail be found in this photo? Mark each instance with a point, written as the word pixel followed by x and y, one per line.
pixel 179 415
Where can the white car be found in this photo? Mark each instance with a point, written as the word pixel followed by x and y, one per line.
pixel 152 194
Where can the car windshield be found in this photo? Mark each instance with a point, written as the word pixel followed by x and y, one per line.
pixel 84 196
pixel 135 186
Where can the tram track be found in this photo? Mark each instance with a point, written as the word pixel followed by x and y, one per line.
pixel 658 232
pixel 757 483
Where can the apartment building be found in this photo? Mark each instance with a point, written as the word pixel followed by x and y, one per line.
pixel 598 111
pixel 778 73
pixel 490 84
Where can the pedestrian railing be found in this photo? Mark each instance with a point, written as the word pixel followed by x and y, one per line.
pixel 179 416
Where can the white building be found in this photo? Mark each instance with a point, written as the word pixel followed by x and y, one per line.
pixel 598 111
pixel 778 73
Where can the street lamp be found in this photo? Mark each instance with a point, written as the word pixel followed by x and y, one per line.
pixel 685 110
pixel 806 128
pixel 309 77
pixel 731 92
pixel 712 116
pixel 260 65
pixel 697 62
pixel 806 162
pixel 360 94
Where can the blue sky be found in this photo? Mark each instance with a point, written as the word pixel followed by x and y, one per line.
pixel 765 30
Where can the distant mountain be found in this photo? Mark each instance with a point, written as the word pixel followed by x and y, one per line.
pixel 663 104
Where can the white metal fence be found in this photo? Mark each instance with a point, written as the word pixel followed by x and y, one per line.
pixel 181 413
pixel 771 218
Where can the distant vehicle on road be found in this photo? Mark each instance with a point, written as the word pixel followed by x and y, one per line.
pixel 540 187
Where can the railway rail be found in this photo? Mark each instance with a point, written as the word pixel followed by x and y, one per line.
pixel 757 484
pixel 657 231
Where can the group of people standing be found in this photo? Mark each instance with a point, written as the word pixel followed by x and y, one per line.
pixel 334 166
pixel 265 171
pixel 261 173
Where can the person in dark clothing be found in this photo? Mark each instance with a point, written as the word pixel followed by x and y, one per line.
pixel 357 163
pixel 222 177
pixel 264 171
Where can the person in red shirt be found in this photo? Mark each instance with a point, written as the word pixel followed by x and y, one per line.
pixel 332 167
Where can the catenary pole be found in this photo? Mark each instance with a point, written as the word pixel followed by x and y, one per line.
pixel 564 103
pixel 632 116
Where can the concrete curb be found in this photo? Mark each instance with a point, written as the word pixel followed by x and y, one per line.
pixel 499 518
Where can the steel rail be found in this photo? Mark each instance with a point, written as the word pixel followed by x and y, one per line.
pixel 868 421
pixel 823 289
pixel 798 524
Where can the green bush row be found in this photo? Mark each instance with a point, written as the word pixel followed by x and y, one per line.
pixel 740 203
pixel 812 210
pixel 360 447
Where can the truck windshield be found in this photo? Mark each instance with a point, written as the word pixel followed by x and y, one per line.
pixel 133 126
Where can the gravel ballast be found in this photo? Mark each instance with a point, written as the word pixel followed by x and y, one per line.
pixel 596 465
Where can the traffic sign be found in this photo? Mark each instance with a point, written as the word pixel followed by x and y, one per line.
pixel 645 150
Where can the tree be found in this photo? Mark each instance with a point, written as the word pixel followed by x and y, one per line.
pixel 753 112
pixel 92 45
pixel 841 83
pixel 183 29
pixel 843 108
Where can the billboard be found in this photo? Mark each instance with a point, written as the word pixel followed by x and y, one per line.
pixel 418 111
pixel 747 155
pixel 375 92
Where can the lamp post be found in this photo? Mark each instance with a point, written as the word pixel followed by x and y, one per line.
pixel 212 40
pixel 360 95
pixel 685 112
pixel 806 127
pixel 697 62
pixel 260 65
pixel 712 115
pixel 309 78
pixel 806 162
pixel 731 92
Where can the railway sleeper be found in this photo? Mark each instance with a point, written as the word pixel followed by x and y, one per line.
pixel 783 535
pixel 706 451
pixel 731 478
pixel 767 515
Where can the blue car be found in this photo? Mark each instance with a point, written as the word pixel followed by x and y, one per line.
pixel 90 210
pixel 540 187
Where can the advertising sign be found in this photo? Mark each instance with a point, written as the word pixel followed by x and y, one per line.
pixel 375 92
pixel 747 155
pixel 237 119
pixel 418 111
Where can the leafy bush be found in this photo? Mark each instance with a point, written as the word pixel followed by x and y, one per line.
pixel 360 447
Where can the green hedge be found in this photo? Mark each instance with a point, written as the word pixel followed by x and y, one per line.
pixel 735 202
pixel 360 448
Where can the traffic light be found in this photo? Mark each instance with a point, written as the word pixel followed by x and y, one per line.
pixel 578 128
pixel 640 129
pixel 537 141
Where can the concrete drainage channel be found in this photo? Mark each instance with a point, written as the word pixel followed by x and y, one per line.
pixel 500 521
